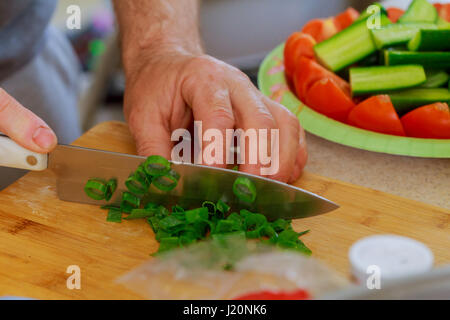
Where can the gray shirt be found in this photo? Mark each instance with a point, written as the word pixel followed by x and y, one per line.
pixel 23 24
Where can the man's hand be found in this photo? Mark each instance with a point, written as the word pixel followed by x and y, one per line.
pixel 24 127
pixel 170 82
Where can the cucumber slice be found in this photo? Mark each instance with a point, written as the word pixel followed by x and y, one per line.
pixel 443 24
pixel 381 79
pixel 420 11
pixel 407 100
pixel 395 34
pixel 435 79
pixel 430 40
pixel 348 46
pixel 436 60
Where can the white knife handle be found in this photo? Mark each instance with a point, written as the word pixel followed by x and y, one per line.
pixel 14 156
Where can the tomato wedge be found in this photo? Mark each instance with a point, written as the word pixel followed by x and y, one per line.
pixel 443 10
pixel 269 295
pixel 377 114
pixel 345 19
pixel 326 97
pixel 320 29
pixel 431 121
pixel 298 45
pixel 394 14
pixel 308 72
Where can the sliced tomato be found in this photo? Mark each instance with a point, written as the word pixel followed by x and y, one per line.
pixel 394 14
pixel 326 97
pixel 345 19
pixel 320 29
pixel 308 72
pixel 443 10
pixel 431 121
pixel 377 114
pixel 298 45
pixel 270 295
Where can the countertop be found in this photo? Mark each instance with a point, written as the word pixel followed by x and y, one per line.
pixel 421 179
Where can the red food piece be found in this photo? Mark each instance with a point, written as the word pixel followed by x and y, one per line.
pixel 320 29
pixel 269 295
pixel 345 19
pixel 326 97
pixel 394 14
pixel 308 72
pixel 443 10
pixel 431 121
pixel 377 114
pixel 298 45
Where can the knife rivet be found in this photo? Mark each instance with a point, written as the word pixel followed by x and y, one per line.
pixel 31 160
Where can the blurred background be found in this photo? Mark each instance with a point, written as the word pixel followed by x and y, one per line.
pixel 240 32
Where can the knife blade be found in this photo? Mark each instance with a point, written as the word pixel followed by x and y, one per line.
pixel 74 166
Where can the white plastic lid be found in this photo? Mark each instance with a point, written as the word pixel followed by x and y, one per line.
pixel 393 256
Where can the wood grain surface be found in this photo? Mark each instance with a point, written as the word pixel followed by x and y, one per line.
pixel 40 236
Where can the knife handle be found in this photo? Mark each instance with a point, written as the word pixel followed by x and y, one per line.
pixel 14 156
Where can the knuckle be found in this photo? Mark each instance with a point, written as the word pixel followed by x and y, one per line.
pixel 145 147
pixel 222 114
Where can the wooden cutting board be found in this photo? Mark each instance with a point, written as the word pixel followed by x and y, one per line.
pixel 40 236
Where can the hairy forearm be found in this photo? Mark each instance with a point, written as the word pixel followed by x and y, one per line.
pixel 152 27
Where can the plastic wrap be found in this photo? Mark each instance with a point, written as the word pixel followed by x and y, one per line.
pixel 228 269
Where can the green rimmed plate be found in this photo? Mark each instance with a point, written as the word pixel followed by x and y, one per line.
pixel 272 83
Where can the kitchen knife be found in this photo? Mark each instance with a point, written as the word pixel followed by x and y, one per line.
pixel 74 166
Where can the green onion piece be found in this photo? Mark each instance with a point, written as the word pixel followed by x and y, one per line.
pixel 168 244
pixel 150 205
pixel 280 225
pixel 140 214
pixel 199 214
pixel 138 182
pixel 96 189
pixel 161 234
pixel 177 208
pixel 154 223
pixel 244 189
pixel 114 215
pixel 129 202
pixel 222 207
pixel 110 206
pixel 167 182
pixel 171 224
pixel 156 166
pixel 211 206
pixel 111 188
pixel 227 226
pixel 267 231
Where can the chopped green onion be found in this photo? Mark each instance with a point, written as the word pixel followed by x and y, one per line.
pixel 167 244
pixel 180 227
pixel 167 182
pixel 96 189
pixel 129 202
pixel 111 188
pixel 244 189
pixel 140 213
pixel 114 215
pixel 138 182
pixel 156 166
pixel 222 207
pixel 99 189
pixel 197 215
pixel 210 206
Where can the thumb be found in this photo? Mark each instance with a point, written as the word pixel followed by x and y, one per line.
pixel 24 127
